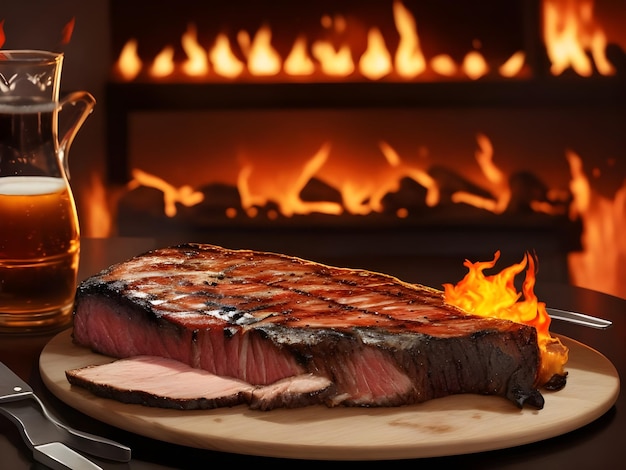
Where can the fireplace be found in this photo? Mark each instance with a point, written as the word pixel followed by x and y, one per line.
pixel 385 128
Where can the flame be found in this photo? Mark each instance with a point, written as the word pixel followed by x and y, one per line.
pixel 475 65
pixel 364 193
pixel 163 64
pixel 409 60
pixel 225 62
pixel 497 296
pixel 184 195
pixel 129 64
pixel 334 63
pixel 243 39
pixel 66 33
pixel 98 223
pixel 600 265
pixel 298 61
pixel 572 36
pixel 570 31
pixel 501 189
pixel 2 35
pixel 375 63
pixel 263 59
pixel 196 64
pixel 287 193
pixel 513 65
pixel 444 65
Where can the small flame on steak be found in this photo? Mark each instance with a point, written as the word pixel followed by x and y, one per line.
pixel 497 296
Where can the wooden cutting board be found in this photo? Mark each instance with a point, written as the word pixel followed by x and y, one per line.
pixel 453 425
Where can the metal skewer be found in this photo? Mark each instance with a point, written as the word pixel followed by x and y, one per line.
pixel 578 318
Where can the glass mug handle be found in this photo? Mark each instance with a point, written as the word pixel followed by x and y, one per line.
pixel 73 110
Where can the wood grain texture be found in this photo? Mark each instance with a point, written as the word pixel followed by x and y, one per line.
pixel 448 426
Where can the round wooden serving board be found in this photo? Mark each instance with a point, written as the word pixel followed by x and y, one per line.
pixel 447 426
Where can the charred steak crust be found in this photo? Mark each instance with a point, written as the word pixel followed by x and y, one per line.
pixel 262 317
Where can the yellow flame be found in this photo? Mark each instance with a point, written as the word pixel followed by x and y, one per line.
pixel 375 62
pixel 163 64
pixel 263 59
pixel 475 65
pixel 496 296
pixel 409 59
pixel 569 31
pixel 572 36
pixel 513 65
pixel 334 63
pixel 196 63
pixel 224 61
pixel 129 65
pixel 298 62
pixel 444 65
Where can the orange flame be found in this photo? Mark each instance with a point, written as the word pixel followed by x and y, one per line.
pixel 196 63
pixel 287 193
pixel 501 189
pixel 600 265
pixel 2 36
pixel 184 195
pixel 97 220
pixel 66 33
pixel 263 58
pixel 225 62
pixel 475 65
pixel 298 62
pixel 443 65
pixel 513 65
pixel 163 64
pixel 333 62
pixel 331 59
pixel 570 31
pixel 409 60
pixel 128 64
pixel 375 63
pixel 497 296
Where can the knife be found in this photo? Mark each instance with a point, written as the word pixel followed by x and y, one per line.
pixel 52 442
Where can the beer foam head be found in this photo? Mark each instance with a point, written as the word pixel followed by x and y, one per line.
pixel 30 185
pixel 12 105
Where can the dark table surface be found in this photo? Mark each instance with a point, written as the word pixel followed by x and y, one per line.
pixel 600 444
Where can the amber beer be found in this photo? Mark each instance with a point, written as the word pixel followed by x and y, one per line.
pixel 39 252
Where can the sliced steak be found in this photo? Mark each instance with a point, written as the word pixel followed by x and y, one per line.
pixel 161 382
pixel 166 383
pixel 261 317
pixel 292 392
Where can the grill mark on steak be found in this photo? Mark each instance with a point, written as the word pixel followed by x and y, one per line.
pixel 262 317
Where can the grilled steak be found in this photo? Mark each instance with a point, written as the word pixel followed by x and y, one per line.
pixel 263 317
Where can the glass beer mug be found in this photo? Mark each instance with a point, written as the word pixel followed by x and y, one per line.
pixel 39 230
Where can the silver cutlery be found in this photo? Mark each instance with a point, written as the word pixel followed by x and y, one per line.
pixel 578 318
pixel 53 443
